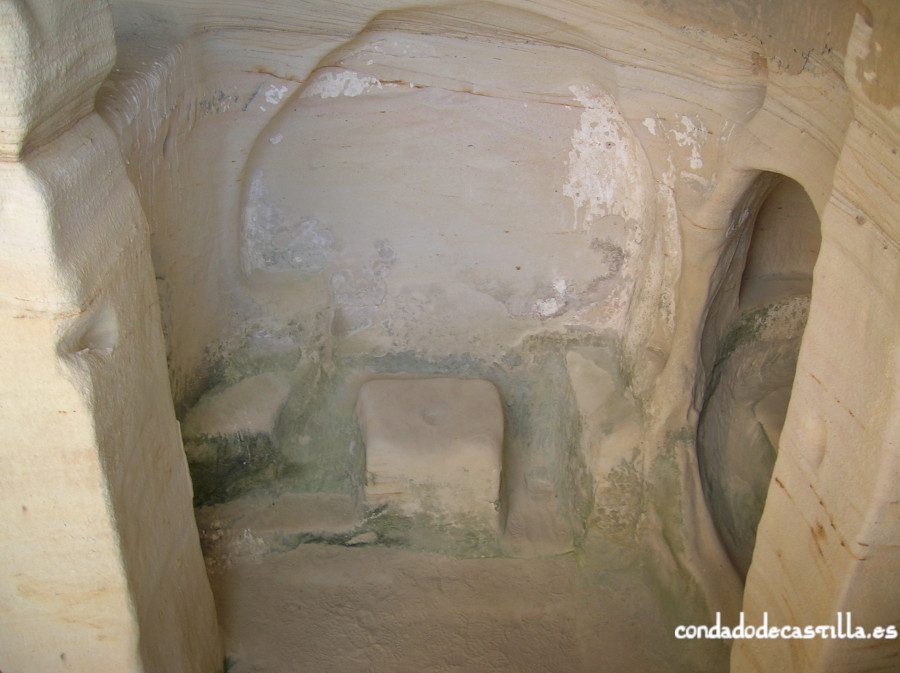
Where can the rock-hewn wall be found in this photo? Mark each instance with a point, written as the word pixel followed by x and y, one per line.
pixel 828 537
pixel 101 565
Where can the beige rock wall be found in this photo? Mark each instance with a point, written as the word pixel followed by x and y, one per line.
pixel 101 566
pixel 827 542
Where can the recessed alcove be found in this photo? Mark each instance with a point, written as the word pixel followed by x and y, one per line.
pixel 755 331
pixel 783 248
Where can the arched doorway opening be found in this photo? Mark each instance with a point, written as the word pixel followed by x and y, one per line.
pixel 759 314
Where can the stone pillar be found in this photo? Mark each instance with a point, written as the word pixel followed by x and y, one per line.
pixel 100 565
pixel 829 539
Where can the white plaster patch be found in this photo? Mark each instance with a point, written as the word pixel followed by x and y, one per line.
pixel 700 182
pixel 650 124
pixel 274 94
pixel 556 302
pixel 401 48
pixel 277 138
pixel 608 176
pixel 692 137
pixel 332 84
pixel 547 308
pixel 605 172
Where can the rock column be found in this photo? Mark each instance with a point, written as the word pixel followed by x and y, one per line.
pixel 100 565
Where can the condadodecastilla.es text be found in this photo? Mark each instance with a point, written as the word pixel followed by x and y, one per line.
pixel 842 629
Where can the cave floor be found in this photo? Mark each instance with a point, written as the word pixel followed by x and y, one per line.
pixel 339 600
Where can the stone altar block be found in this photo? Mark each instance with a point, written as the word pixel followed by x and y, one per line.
pixel 433 445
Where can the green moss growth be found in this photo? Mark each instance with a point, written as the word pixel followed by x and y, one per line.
pixel 240 465
pixel 317 445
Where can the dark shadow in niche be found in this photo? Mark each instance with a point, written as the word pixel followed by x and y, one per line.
pixel 750 347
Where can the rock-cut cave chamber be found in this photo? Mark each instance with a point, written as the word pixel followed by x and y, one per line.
pixel 463 336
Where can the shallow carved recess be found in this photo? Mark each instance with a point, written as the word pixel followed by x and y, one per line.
pixel 659 233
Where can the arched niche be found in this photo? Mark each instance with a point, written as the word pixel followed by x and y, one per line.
pixel 750 349
pixel 440 203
